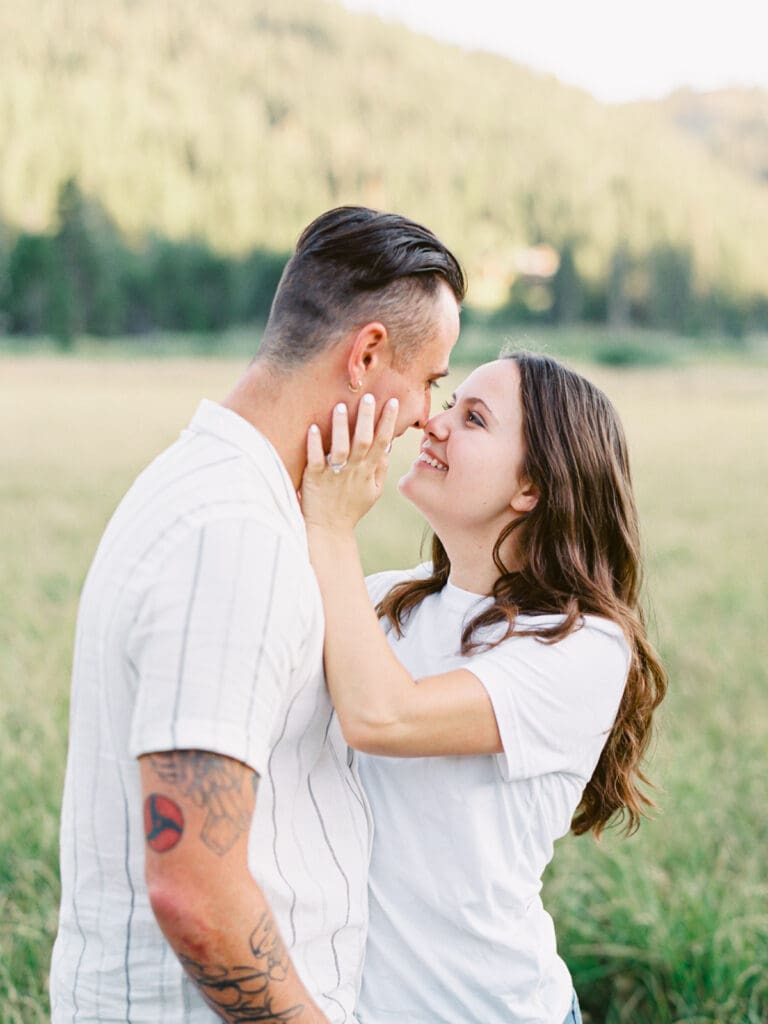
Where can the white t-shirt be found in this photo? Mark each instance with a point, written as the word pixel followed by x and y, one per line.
pixel 457 930
pixel 201 627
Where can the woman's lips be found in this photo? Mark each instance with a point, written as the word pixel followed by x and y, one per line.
pixel 426 459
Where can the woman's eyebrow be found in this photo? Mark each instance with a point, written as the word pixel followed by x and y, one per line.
pixel 474 400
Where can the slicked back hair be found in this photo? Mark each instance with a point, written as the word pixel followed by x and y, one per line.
pixel 353 266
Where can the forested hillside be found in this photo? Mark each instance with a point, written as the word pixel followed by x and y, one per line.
pixel 731 123
pixel 236 124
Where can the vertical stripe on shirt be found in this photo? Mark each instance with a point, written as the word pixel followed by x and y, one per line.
pixel 292 910
pixel 129 923
pixel 230 615
pixel 341 871
pixel 185 635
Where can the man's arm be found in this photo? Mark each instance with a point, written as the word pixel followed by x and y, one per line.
pixel 197 813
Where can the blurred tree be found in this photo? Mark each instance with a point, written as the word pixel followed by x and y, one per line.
pixel 617 291
pixel 567 288
pixel 28 303
pixel 258 276
pixel 5 287
pixel 190 287
pixel 87 258
pixel 721 312
pixel 670 286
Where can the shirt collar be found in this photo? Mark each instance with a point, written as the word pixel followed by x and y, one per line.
pixel 213 418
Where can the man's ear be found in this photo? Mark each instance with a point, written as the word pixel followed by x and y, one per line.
pixel 525 499
pixel 368 348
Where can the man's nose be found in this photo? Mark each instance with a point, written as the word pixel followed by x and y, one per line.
pixel 421 422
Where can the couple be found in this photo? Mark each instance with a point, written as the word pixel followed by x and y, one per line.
pixel 240 831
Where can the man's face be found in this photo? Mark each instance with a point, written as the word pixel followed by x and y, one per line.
pixel 412 383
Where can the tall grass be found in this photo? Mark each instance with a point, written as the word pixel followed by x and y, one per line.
pixel 669 927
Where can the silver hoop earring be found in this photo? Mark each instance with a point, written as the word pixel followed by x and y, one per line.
pixel 356 388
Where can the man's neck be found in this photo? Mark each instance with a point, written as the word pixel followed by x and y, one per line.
pixel 279 407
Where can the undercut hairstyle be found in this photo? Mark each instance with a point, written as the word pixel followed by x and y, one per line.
pixel 579 554
pixel 353 266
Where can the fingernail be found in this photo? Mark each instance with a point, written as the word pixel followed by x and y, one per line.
pixel 314 429
pixel 367 399
pixel 393 403
pixel 340 407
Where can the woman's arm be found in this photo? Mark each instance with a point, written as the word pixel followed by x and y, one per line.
pixel 381 707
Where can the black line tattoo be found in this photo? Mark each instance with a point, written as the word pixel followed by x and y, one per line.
pixel 217 784
pixel 246 993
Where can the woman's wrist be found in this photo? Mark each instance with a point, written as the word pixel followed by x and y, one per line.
pixel 331 536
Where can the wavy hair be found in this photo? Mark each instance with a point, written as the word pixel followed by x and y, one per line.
pixel 579 549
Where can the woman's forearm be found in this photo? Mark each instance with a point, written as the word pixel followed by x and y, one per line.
pixel 369 687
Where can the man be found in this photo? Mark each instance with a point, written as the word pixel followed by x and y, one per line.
pixel 209 796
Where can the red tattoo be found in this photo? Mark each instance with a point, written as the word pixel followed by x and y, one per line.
pixel 163 823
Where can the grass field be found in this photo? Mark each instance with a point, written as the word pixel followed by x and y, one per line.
pixel 670 926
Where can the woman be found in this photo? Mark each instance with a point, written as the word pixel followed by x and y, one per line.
pixel 522 643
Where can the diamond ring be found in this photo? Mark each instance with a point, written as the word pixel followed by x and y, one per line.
pixel 335 467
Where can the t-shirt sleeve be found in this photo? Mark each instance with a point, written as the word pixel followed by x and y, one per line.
pixel 214 643
pixel 555 704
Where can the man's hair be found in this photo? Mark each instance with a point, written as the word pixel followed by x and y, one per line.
pixel 352 266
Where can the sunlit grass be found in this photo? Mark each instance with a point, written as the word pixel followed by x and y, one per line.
pixel 668 927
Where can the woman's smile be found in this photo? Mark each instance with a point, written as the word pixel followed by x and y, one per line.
pixel 427 458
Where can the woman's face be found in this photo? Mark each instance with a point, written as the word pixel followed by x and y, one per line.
pixel 468 471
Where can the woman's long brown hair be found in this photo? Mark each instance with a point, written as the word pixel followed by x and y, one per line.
pixel 580 551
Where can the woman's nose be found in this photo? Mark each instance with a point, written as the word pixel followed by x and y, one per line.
pixel 437 426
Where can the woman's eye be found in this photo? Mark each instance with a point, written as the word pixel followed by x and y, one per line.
pixel 447 405
pixel 472 417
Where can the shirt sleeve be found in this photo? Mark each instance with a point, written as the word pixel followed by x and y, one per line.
pixel 213 646
pixel 555 704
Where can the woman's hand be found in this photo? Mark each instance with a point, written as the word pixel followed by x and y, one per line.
pixel 337 490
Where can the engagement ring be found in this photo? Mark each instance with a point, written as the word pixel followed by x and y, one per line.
pixel 336 467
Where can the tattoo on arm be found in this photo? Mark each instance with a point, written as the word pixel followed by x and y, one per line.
pixel 217 784
pixel 163 822
pixel 246 992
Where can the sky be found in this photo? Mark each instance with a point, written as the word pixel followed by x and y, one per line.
pixel 615 49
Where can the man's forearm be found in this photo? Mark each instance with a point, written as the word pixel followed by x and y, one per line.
pixel 237 958
pixel 198 809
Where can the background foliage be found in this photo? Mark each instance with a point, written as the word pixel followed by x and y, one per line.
pixel 154 157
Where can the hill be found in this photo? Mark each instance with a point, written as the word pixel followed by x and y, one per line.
pixel 732 124
pixel 238 124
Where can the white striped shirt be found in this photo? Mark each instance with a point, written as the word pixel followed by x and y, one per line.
pixel 201 627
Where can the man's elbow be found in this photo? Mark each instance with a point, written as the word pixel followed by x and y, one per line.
pixel 182 918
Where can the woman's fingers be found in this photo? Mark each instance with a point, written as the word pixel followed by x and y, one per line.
pixel 385 429
pixel 339 453
pixel 374 439
pixel 366 412
pixel 315 454
pixel 371 439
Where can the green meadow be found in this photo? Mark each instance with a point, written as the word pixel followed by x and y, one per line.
pixel 668 927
